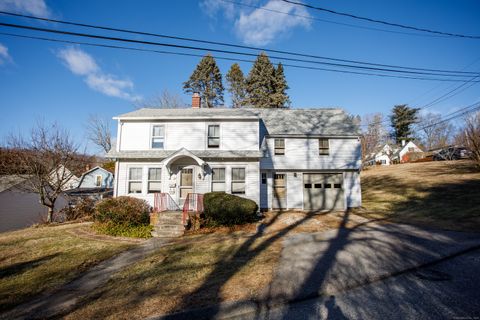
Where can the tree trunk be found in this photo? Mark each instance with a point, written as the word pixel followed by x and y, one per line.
pixel 50 215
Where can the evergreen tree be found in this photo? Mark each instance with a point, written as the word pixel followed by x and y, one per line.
pixel 261 83
pixel 280 97
pixel 402 119
pixel 206 79
pixel 236 86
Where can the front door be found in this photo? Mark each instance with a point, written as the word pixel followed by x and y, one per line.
pixel 186 184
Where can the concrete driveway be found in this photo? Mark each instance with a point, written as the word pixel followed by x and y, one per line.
pixel 345 273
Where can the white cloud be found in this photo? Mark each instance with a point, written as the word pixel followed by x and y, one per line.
pixel 4 55
pixel 81 63
pixel 263 25
pixel 34 7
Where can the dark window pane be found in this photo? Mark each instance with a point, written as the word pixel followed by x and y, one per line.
pixel 308 185
pixel 318 185
pixel 337 185
pixel 328 185
pixel 264 178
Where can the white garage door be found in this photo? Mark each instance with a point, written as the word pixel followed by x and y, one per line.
pixel 323 191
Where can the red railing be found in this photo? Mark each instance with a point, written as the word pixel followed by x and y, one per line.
pixel 164 202
pixel 193 203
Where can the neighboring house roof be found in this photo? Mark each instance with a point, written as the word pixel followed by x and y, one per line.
pixel 9 181
pixel 146 154
pixel 92 170
pixel 306 122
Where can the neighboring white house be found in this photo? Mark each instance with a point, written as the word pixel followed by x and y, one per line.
pixel 70 180
pixel 96 177
pixel 281 158
pixel 409 147
pixel 389 154
pixel 20 208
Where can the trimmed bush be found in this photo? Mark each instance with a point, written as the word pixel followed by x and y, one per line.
pixel 123 216
pixel 83 209
pixel 225 209
pixel 123 230
pixel 123 210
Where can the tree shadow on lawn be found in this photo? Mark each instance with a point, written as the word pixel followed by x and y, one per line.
pixel 449 205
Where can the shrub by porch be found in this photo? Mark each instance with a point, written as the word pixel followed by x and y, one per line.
pixel 223 209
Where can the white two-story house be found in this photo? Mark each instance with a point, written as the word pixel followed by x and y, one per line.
pixel 307 159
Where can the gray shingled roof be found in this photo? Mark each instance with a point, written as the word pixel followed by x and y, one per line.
pixel 328 121
pixel 9 181
pixel 147 154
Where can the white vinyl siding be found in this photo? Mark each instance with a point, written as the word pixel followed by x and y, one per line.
pixel 303 154
pixel 192 135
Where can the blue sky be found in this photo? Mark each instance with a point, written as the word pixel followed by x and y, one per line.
pixel 64 83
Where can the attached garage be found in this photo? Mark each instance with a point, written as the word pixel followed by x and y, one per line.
pixel 323 191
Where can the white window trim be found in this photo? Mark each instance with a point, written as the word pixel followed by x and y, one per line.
pixel 328 142
pixel 161 176
pixel 284 147
pixel 224 179
pixel 232 181
pixel 141 180
pixel 152 136
pixel 206 135
pixel 101 180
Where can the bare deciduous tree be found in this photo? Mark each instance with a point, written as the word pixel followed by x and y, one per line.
pixel 164 100
pixel 374 133
pixel 472 135
pixel 99 132
pixel 46 159
pixel 433 132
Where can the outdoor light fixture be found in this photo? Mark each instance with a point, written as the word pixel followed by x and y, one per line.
pixel 294 174
pixel 199 176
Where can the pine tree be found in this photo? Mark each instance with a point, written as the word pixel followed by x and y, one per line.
pixel 280 97
pixel 402 119
pixel 261 83
pixel 206 79
pixel 236 86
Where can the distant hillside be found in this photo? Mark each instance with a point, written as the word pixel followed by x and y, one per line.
pixel 439 194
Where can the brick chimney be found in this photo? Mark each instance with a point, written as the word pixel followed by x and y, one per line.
pixel 196 100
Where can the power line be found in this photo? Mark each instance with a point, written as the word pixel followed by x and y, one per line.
pixel 458 35
pixel 178 46
pixel 217 57
pixel 332 22
pixel 230 44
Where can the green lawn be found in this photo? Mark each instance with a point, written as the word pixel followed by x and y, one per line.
pixel 438 194
pixel 36 260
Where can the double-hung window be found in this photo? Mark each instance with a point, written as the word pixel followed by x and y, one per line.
pixel 98 181
pixel 158 136
pixel 213 136
pixel 323 147
pixel 279 146
pixel 238 180
pixel 154 180
pixel 218 179
pixel 135 180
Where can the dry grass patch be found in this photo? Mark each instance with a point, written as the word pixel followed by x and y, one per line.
pixel 36 260
pixel 438 194
pixel 201 269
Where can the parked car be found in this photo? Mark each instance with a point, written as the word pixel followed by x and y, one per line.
pixel 452 153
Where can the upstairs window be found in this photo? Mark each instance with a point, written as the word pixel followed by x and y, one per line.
pixel 135 180
pixel 411 149
pixel 158 137
pixel 154 180
pixel 323 147
pixel 214 136
pixel 218 179
pixel 279 146
pixel 238 180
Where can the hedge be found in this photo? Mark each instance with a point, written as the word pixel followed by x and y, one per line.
pixel 225 209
